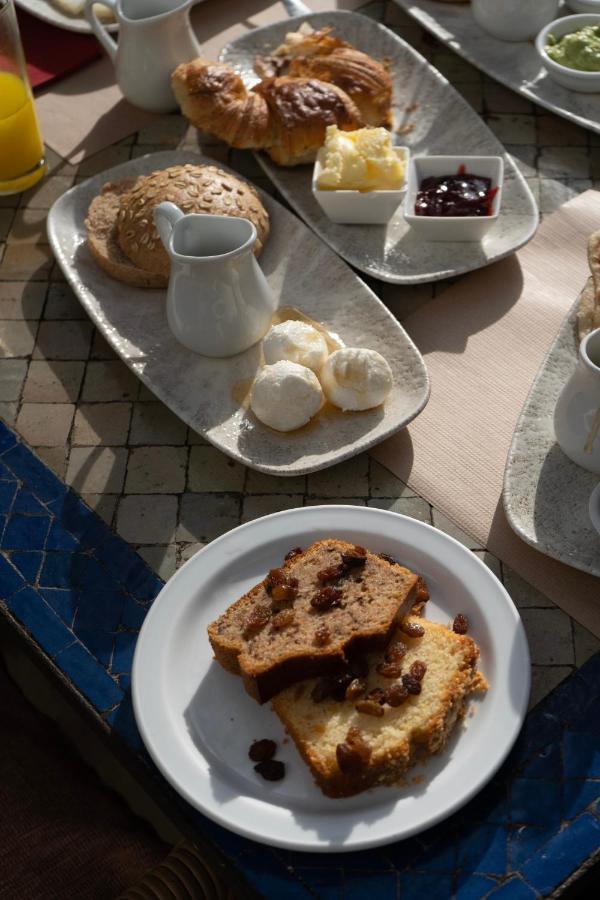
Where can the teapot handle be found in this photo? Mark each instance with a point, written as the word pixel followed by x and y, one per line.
pixel 166 216
pixel 103 36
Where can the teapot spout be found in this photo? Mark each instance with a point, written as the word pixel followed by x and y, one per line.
pixel 166 216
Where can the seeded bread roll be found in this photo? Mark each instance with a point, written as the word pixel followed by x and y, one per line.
pixel 325 604
pixel 379 748
pixel 101 225
pixel 194 189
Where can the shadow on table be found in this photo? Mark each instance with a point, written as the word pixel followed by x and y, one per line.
pixel 487 301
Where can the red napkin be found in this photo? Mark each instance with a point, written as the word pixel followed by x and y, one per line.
pixel 52 52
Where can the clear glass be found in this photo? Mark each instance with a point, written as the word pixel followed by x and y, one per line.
pixel 22 161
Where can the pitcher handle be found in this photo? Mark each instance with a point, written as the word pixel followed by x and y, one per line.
pixel 103 36
pixel 166 216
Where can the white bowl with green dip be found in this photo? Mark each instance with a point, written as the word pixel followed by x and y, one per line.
pixel 569 49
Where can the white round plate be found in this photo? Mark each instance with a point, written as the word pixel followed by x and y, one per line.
pixel 48 12
pixel 198 722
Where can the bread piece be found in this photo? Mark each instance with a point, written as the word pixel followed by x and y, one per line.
pixel 308 42
pixel 364 80
pixel 213 97
pixel 404 734
pixel 194 189
pixel 301 109
pixel 76 7
pixel 253 640
pixel 101 225
pixel 588 311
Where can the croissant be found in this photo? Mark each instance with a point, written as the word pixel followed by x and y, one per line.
pixel 214 98
pixel 285 116
pixel 365 80
pixel 301 109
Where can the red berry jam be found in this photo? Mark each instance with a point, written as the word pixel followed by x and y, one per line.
pixel 455 195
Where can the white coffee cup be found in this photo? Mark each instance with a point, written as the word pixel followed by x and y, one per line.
pixel 514 20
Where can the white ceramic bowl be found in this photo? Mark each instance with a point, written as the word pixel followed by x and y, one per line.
pixel 513 20
pixel 588 82
pixel 359 207
pixel 594 507
pixel 584 6
pixel 452 228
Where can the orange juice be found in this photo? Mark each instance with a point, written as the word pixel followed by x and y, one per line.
pixel 21 148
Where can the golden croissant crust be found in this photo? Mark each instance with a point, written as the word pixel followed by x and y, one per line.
pixel 301 109
pixel 366 81
pixel 214 98
pixel 319 80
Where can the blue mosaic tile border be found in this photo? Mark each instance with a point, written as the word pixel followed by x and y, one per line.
pixel 82 594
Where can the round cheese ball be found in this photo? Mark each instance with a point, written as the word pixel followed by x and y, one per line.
pixel 297 342
pixel 285 395
pixel 354 378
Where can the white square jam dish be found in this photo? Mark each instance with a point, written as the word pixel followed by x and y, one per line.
pixel 447 182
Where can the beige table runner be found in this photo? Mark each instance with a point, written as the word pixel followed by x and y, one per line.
pixel 86 112
pixel 484 340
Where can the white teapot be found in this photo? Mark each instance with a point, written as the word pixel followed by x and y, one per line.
pixel 577 413
pixel 154 37
pixel 218 300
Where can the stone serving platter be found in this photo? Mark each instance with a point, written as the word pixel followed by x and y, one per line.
pixel 545 495
pixel 444 123
pixel 514 64
pixel 208 393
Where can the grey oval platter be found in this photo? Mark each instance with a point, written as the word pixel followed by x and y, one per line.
pixel 512 63
pixel 546 495
pixel 204 392
pixel 444 123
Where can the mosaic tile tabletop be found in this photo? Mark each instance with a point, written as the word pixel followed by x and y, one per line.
pixel 159 492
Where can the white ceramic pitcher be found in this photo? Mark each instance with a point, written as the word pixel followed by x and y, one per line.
pixel 154 37
pixel 218 300
pixel 577 413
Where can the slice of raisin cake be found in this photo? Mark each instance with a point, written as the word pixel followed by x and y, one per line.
pixel 368 726
pixel 326 604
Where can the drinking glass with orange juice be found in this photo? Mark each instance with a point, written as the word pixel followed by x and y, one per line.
pixel 22 160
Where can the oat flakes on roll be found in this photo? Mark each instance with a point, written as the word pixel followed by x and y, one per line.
pixel 101 227
pixel 194 189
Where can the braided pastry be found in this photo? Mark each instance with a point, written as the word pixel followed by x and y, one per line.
pixel 311 81
pixel 365 81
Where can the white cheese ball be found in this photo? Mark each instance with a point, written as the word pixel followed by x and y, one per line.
pixel 297 342
pixel 285 395
pixel 355 378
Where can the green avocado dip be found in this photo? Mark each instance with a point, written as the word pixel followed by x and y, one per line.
pixel 578 50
